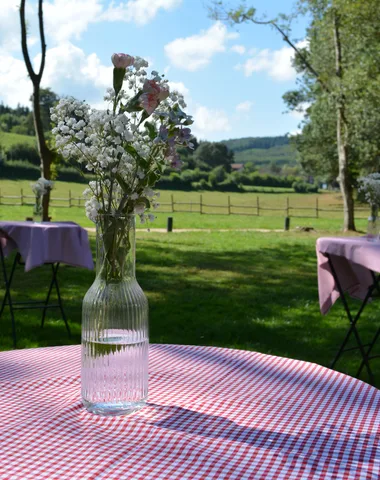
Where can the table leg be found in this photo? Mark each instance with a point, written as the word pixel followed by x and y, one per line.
pixel 353 321
pixel 7 295
pixel 377 335
pixel 54 282
pixel 7 300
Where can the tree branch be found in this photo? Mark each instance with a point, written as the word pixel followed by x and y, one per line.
pixel 291 44
pixel 24 44
pixel 42 37
pixel 242 15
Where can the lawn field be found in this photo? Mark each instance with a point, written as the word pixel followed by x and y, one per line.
pixel 9 139
pixel 254 291
pixel 187 207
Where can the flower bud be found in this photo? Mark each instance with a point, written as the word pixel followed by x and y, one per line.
pixel 122 60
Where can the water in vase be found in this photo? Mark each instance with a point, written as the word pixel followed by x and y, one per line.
pixel 115 372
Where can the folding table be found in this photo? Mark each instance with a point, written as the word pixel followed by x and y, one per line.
pixel 44 243
pixel 348 265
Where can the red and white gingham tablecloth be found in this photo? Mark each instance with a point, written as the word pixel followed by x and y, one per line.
pixel 213 413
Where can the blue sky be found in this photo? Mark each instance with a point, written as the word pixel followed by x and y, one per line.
pixel 233 78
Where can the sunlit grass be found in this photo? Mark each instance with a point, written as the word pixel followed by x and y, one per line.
pixel 245 290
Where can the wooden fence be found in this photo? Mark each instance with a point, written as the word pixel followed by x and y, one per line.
pixel 255 209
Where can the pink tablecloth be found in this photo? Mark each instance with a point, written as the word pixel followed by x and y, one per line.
pixel 47 242
pixel 353 259
pixel 213 414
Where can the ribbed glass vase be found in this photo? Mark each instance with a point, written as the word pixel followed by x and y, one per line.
pixel 115 325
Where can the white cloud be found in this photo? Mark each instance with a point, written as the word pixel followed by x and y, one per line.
pixel 299 114
pixel 195 52
pixel 10 32
pixel 67 70
pixel 180 88
pixel 15 86
pixel 67 19
pixel 276 63
pixel 244 106
pixel 138 11
pixel 208 122
pixel 240 49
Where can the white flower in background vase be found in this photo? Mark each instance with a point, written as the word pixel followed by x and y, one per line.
pixel 370 187
pixel 40 188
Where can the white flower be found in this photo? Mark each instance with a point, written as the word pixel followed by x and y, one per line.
pixel 117 147
pixel 139 208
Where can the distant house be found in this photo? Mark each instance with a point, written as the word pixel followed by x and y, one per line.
pixel 237 167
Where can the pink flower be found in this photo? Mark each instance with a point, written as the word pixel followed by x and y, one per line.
pixel 122 60
pixel 151 86
pixel 149 102
pixel 153 94
pixel 164 93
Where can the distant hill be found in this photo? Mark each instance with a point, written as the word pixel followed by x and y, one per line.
pixel 9 139
pixel 263 150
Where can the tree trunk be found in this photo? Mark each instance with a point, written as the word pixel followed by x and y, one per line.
pixel 342 137
pixel 46 155
pixel 43 150
pixel 344 175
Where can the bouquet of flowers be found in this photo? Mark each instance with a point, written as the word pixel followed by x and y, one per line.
pixel 127 147
pixel 370 187
pixel 40 188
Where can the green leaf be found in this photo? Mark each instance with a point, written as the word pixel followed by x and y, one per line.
pixel 118 79
pixel 122 183
pixel 151 130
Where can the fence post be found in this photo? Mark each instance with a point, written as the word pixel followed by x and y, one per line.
pixel 316 208
pixel 69 198
pixel 22 196
pixel 0 196
pixel 78 201
pixel 172 200
pixel 200 205
pixel 287 206
pixel 229 205
pixel 258 206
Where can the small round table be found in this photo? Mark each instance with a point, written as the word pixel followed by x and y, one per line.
pixel 213 413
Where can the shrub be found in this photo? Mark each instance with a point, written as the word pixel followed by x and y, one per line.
pixel 303 187
pixel 201 185
pixel 23 151
pixel 19 170
pixel 217 175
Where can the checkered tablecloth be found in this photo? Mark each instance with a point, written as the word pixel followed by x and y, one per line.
pixel 212 414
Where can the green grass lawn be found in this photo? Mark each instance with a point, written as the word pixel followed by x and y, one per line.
pixel 9 139
pixel 186 209
pixel 255 291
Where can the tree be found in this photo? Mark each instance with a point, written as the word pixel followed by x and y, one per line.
pixel 213 154
pixel 348 117
pixel 48 99
pixel 330 67
pixel 45 153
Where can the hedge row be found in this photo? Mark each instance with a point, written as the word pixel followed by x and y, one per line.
pixel 21 170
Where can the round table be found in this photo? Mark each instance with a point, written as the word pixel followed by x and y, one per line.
pixel 213 413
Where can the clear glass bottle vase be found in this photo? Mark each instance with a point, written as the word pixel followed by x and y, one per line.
pixel 115 325
pixel 373 228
